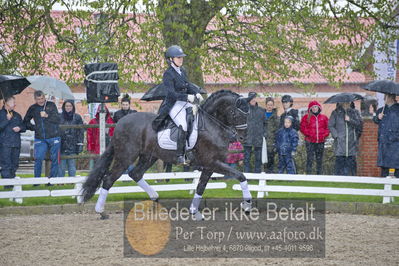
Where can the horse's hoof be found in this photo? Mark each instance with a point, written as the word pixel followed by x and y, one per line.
pixel 198 216
pixel 246 206
pixel 104 216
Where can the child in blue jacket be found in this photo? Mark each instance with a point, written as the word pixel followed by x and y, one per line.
pixel 286 144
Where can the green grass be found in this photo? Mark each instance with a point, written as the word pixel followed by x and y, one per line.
pixel 210 193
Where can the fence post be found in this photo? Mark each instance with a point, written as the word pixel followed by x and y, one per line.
pixel 16 189
pixel 78 187
pixel 387 187
pixel 102 129
pixel 262 183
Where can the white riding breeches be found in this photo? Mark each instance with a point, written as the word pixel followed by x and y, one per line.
pixel 178 113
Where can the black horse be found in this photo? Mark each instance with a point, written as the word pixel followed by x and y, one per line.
pixel 223 117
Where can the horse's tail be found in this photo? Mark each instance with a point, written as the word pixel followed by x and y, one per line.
pixel 96 175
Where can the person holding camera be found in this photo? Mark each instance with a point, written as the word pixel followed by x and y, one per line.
pixel 47 132
pixel 71 138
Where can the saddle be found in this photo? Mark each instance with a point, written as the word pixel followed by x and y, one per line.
pixel 167 134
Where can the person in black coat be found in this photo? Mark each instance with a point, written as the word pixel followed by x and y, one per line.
pixel 256 122
pixel 179 98
pixel 71 138
pixel 287 102
pixel 11 127
pixel 387 119
pixel 125 109
pixel 47 132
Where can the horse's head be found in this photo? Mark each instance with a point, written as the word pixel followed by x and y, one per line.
pixel 231 109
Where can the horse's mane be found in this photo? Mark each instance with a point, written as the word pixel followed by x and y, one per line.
pixel 216 95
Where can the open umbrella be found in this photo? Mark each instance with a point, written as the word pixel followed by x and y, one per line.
pixel 11 85
pixel 158 92
pixel 383 86
pixel 51 86
pixel 344 97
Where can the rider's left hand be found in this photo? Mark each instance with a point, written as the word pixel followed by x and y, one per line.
pixel 199 97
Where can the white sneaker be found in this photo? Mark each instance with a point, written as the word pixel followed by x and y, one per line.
pixel 246 206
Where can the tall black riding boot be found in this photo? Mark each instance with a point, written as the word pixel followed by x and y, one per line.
pixel 181 145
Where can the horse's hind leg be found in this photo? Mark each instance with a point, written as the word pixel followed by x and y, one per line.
pixel 137 173
pixel 116 171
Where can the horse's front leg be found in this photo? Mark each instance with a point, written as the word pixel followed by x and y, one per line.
pixel 223 168
pixel 204 178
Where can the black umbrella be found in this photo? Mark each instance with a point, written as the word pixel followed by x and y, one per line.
pixel 383 86
pixel 158 92
pixel 344 97
pixel 11 85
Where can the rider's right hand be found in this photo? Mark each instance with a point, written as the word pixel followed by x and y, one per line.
pixel 191 98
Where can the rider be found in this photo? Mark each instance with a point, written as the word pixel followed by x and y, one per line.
pixel 179 98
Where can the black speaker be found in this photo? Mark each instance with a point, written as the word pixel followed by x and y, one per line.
pixel 101 82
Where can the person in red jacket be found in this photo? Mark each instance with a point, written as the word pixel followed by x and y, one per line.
pixel 93 134
pixel 314 126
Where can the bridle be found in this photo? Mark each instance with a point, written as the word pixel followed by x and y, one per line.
pixel 233 111
pixel 233 129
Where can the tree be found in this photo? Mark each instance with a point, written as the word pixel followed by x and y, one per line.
pixel 250 40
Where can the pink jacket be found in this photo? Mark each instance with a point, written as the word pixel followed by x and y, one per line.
pixel 235 152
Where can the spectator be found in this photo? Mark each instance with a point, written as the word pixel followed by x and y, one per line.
pixel 286 144
pixel 11 127
pixel 368 106
pixel 314 126
pixel 288 102
pixel 272 125
pixel 255 132
pixel 235 155
pixel 345 125
pixel 125 109
pixel 71 138
pixel 93 134
pixel 47 132
pixel 387 119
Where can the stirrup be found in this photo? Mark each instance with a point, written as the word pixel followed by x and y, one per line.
pixel 180 160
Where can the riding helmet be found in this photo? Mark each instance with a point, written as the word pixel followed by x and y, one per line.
pixel 174 51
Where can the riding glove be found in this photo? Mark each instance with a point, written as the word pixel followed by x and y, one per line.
pixel 191 98
pixel 199 97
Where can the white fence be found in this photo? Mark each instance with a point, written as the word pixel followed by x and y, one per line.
pixel 263 188
pixel 17 194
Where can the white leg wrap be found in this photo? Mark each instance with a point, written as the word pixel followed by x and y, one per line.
pixel 150 191
pixel 245 192
pixel 195 203
pixel 101 200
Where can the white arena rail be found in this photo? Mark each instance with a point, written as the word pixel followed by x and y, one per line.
pixel 263 188
pixel 17 194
